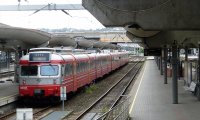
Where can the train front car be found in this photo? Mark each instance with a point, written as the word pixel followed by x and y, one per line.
pixel 40 75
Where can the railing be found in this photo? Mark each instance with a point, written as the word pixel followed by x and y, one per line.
pixel 119 112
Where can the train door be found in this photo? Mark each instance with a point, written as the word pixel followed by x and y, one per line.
pixel 95 67
pixel 89 69
pixel 68 80
pixel 74 75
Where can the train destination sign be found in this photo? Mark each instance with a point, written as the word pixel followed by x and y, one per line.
pixel 152 52
pixel 39 57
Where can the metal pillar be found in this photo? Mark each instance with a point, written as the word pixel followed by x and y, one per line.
pixel 165 65
pixel 199 65
pixel 174 74
pixel 186 53
pixel 161 64
pixel 8 59
pixel 158 63
pixel 186 66
pixel 190 72
pixel 178 63
pixel 181 68
pixel 16 66
pixel 198 80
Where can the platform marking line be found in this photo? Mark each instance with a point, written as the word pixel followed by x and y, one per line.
pixel 133 103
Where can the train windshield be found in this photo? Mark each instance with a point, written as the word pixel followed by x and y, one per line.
pixel 29 70
pixel 49 70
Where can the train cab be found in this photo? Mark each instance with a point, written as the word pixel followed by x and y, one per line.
pixel 40 74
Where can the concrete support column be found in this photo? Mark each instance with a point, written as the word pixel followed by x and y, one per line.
pixel 165 64
pixel 174 74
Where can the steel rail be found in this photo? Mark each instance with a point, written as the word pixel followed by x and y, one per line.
pixel 124 90
pixel 7 72
pixel 4 74
pixel 7 115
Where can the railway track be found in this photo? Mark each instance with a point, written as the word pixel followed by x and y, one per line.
pixel 8 115
pixel 6 74
pixel 37 114
pixel 111 97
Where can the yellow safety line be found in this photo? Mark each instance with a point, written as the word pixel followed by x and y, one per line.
pixel 133 103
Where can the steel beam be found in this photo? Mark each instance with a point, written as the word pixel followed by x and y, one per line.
pixel 41 7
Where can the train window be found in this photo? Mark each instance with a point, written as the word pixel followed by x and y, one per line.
pixel 49 70
pixel 86 66
pixel 82 67
pixel 99 62
pixel 116 58
pixel 68 69
pixel 78 69
pixel 92 64
pixel 29 70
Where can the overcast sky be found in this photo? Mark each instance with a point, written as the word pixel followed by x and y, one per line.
pixel 81 19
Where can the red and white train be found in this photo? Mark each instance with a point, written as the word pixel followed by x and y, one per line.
pixel 44 70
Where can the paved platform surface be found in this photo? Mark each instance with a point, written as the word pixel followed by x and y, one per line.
pixel 56 115
pixel 8 89
pixel 153 99
pixel 8 92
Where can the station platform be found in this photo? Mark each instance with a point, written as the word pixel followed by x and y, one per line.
pixel 152 99
pixel 8 89
pixel 8 92
pixel 11 68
